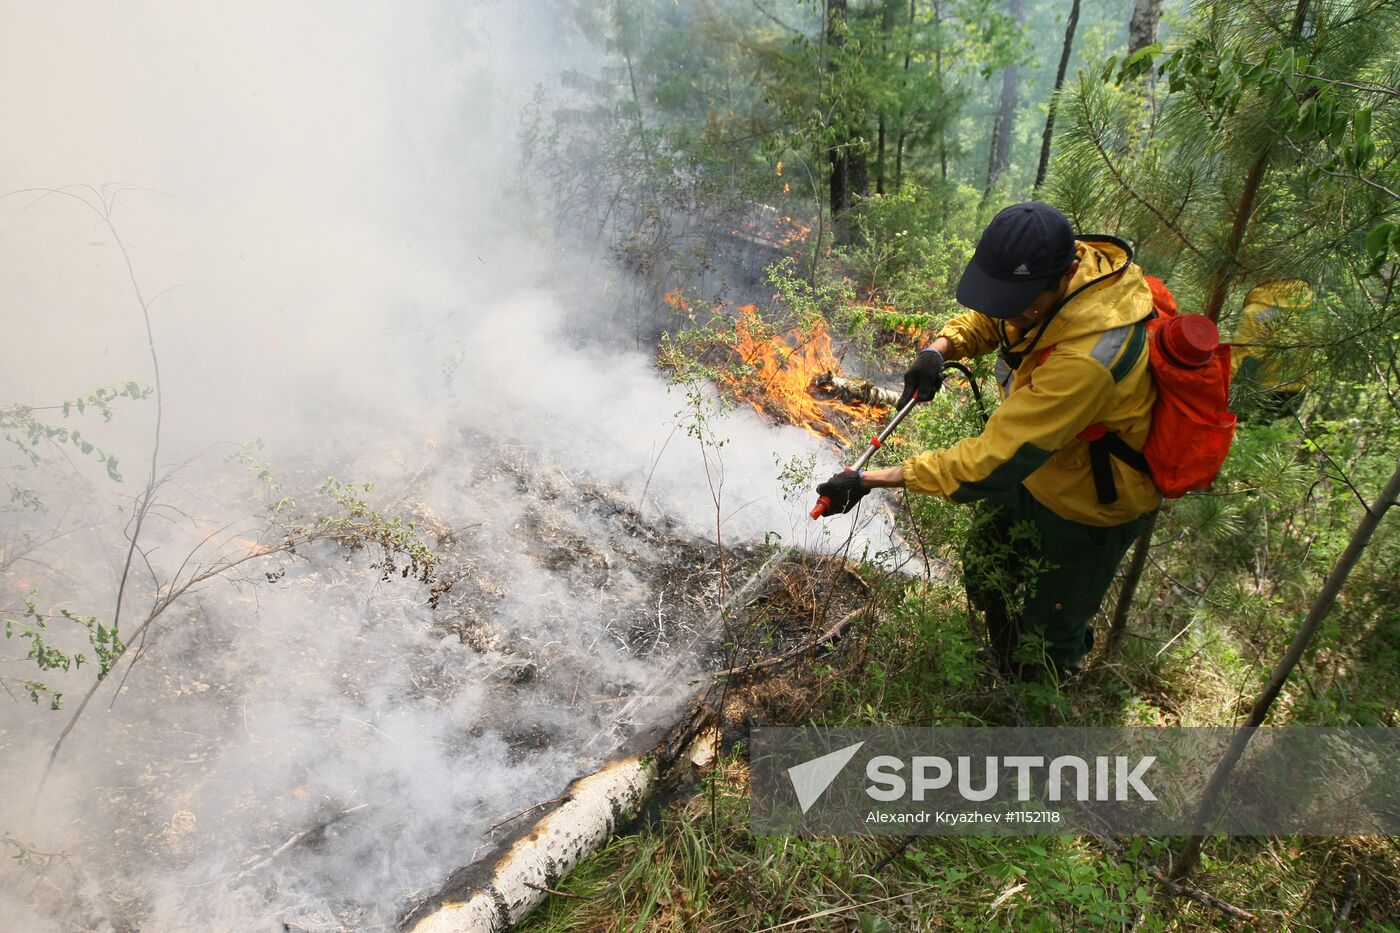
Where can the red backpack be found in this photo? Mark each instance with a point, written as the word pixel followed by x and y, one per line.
pixel 1191 426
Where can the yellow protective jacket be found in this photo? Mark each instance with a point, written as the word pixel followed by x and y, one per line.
pixel 1097 372
pixel 1270 310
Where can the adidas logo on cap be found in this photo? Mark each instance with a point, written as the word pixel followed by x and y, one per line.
pixel 1022 269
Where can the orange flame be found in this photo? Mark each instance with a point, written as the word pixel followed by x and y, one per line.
pixel 794 234
pixel 781 372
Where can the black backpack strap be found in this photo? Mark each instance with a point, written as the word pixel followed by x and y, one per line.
pixel 1100 453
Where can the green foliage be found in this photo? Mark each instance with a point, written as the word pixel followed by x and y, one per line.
pixel 1159 147
pixel 24 432
pixel 246 455
pixel 797 475
pixel 32 625
pixel 805 301
pixel 402 551
pixel 910 255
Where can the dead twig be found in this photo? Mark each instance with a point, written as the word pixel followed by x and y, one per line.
pixel 1182 889
pixel 162 603
pixel 299 837
pixel 530 809
pixel 834 632
pixel 846 909
pixel 557 893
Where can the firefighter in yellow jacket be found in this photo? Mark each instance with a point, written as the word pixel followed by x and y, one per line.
pixel 1067 317
pixel 1270 378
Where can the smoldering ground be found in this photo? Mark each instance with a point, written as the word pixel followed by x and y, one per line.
pixel 319 211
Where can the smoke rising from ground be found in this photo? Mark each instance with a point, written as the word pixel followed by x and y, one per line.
pixel 339 259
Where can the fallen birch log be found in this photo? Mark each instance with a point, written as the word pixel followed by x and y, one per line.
pixel 855 390
pixel 494 894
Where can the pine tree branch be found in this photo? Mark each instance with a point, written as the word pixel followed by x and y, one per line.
pixel 1367 88
pixel 1366 346
pixel 1361 14
pixel 1347 175
pixel 1093 138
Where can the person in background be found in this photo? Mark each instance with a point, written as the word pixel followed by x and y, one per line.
pixel 1269 381
pixel 1066 316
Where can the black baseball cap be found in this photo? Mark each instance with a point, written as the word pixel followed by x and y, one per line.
pixel 1021 251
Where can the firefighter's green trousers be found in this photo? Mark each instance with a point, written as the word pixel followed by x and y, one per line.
pixel 1030 571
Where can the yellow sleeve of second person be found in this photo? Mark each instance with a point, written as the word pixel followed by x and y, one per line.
pixel 1062 398
pixel 971 335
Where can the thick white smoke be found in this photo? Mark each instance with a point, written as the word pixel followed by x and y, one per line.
pixel 320 206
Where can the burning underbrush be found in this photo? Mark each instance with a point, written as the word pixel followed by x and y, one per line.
pixel 791 377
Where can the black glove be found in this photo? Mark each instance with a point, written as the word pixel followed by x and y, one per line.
pixel 844 490
pixel 924 377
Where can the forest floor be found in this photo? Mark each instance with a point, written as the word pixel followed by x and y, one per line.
pixel 913 657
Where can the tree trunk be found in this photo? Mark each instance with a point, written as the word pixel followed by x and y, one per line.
pixel 1142 28
pixel 846 159
pixel 1317 613
pixel 1059 80
pixel 1130 580
pixel 1244 207
pixel 1003 127
pixel 855 390
pixel 888 14
pixel 938 71
pixel 880 158
pixel 903 116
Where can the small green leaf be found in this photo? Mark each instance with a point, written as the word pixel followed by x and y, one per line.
pixel 1361 123
pixel 872 923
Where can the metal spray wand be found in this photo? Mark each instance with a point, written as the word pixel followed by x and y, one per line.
pixel 876 443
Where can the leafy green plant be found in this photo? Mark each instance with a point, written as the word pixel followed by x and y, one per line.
pixel 24 431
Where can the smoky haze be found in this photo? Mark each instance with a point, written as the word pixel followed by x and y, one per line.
pixel 321 207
